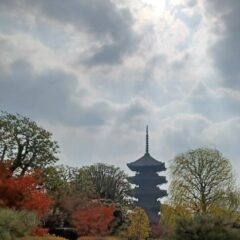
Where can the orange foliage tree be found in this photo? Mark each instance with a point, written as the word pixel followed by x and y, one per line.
pixel 23 192
pixel 93 220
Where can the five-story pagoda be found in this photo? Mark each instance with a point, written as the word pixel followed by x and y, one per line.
pixel 147 180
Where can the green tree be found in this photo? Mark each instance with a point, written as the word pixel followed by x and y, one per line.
pixel 204 226
pixel 139 227
pixel 16 224
pixel 26 144
pixel 170 214
pixel 201 179
pixel 84 183
pixel 108 182
pixel 59 180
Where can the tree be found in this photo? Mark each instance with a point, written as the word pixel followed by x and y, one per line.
pixel 84 183
pixel 109 182
pixel 93 220
pixel 201 179
pixel 15 224
pixel 26 144
pixel 139 227
pixel 204 226
pixel 23 192
pixel 59 181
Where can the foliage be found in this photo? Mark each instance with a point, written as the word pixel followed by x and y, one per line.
pixel 94 220
pixel 39 231
pixel 228 208
pixel 139 227
pixel 157 231
pixel 25 143
pixel 170 214
pixel 109 182
pixel 206 227
pixel 48 237
pixel 201 179
pixel 58 180
pixel 66 207
pixel 65 232
pixel 14 224
pixel 84 183
pixel 22 192
pixel 99 238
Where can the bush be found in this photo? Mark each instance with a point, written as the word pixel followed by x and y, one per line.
pixel 16 224
pixel 49 237
pixel 94 220
pixel 68 233
pixel 39 231
pixel 139 227
pixel 207 227
pixel 98 238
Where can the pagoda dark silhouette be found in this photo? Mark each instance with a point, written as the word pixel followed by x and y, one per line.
pixel 147 180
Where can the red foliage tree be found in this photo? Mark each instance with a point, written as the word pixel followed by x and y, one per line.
pixel 157 231
pixel 93 220
pixel 39 231
pixel 23 192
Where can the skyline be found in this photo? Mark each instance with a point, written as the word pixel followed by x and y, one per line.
pixel 95 73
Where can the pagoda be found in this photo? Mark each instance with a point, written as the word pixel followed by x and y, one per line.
pixel 147 181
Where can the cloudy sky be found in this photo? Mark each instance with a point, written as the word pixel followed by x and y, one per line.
pixel 95 72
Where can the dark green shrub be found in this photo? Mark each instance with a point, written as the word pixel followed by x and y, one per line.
pixel 16 224
pixel 205 227
pixel 68 233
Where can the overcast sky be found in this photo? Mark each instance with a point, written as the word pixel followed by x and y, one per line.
pixel 95 72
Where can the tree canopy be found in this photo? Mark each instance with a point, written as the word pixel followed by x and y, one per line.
pixel 139 227
pixel 108 182
pixel 201 179
pixel 22 192
pixel 25 143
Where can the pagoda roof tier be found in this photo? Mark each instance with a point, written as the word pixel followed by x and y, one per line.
pixel 145 205
pixel 145 163
pixel 149 180
pixel 149 193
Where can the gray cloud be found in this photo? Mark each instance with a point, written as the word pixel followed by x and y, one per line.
pixel 109 25
pixel 47 96
pixel 226 51
pixel 214 104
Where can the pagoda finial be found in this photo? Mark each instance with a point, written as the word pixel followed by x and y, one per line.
pixel 147 140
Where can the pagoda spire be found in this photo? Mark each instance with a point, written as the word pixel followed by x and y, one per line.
pixel 147 140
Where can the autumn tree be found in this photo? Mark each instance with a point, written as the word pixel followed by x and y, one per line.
pixel 139 227
pixel 201 179
pixel 108 182
pixel 93 220
pixel 25 143
pixel 22 192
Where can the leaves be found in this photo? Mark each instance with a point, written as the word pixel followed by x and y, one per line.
pixel 139 227
pixel 25 143
pixel 206 227
pixel 109 182
pixel 14 224
pixel 200 178
pixel 93 220
pixel 23 192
